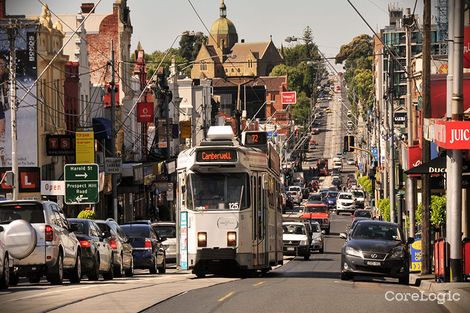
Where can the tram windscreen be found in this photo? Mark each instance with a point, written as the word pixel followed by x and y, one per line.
pixel 219 191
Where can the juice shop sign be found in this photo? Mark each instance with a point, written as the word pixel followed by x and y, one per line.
pixel 457 136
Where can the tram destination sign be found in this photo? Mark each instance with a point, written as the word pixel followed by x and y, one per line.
pixel 81 183
pixel 216 155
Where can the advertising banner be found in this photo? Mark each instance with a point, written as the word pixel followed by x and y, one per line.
pixel 183 244
pixel 26 74
pixel 414 156
pixel 85 147
pixel 145 112
pixel 452 134
pixel 289 97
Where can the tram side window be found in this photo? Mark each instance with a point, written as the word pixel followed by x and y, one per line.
pixel 219 191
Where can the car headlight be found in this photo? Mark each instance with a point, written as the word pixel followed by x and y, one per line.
pixel 317 239
pixel 304 242
pixel 397 253
pixel 353 252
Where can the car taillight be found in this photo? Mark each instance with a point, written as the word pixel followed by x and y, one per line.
pixel 85 244
pixel 148 244
pixel 49 233
pixel 113 244
pixel 231 239
pixel 202 239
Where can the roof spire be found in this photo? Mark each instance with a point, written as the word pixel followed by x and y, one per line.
pixel 223 9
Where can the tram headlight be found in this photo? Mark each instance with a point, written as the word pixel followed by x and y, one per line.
pixel 231 239
pixel 202 239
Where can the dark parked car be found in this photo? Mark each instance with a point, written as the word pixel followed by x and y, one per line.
pixel 96 253
pixel 362 213
pixel 375 248
pixel 330 199
pixel 148 252
pixel 123 262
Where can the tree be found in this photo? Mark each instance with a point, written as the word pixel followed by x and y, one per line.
pixel 87 213
pixel 301 110
pixel 190 46
pixel 384 208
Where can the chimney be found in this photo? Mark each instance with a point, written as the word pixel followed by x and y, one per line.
pixel 87 7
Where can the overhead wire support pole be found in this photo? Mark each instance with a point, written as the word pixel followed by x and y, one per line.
pixel 14 108
pixel 391 134
pixel 113 134
pixel 426 113
pixel 454 173
pixel 410 181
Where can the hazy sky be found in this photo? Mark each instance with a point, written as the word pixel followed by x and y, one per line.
pixel 156 23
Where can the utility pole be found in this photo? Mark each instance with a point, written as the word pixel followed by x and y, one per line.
pixel 454 173
pixel 391 126
pixel 13 105
pixel 426 264
pixel 410 182
pixel 113 135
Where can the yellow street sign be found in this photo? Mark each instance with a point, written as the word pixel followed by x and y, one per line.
pixel 84 147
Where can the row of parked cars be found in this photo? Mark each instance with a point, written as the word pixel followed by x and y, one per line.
pixel 36 240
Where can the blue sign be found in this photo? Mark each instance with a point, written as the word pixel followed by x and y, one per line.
pixel 375 153
pixel 416 255
pixel 183 244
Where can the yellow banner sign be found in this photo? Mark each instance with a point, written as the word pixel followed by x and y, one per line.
pixel 85 147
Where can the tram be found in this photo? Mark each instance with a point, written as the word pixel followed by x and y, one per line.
pixel 229 217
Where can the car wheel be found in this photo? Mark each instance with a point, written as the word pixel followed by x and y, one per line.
pixel 130 270
pixel 321 250
pixel 200 274
pixel 14 279
pixel 346 276
pixel 307 257
pixel 94 273
pixel 56 274
pixel 109 275
pixel 34 278
pixel 76 275
pixel 404 280
pixel 337 212
pixel 5 279
pixel 162 269
pixel 154 268
pixel 328 231
pixel 119 268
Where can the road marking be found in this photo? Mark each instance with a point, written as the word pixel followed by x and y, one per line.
pixel 259 284
pixel 228 295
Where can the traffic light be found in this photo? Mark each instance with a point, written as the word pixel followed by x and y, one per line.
pixel 348 143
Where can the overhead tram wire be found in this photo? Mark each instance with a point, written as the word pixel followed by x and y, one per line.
pixel 57 54
pixel 389 50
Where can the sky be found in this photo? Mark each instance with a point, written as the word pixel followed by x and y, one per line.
pixel 156 23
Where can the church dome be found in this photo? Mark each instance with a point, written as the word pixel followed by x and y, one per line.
pixel 223 33
pixel 223 26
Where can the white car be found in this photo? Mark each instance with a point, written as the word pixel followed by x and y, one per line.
pixel 296 239
pixel 360 198
pixel 349 114
pixel 167 230
pixel 350 124
pixel 345 203
pixel 351 162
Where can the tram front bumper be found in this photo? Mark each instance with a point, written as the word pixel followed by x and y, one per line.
pixel 211 260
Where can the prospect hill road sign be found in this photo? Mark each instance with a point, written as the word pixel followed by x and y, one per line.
pixel 81 183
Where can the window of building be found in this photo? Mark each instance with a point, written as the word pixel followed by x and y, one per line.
pixel 203 66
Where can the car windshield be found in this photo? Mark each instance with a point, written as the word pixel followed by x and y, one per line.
pixel 371 231
pixel 294 209
pixel 80 227
pixel 315 197
pixel 136 230
pixel 316 209
pixel 294 229
pixel 332 195
pixel 30 212
pixel 316 228
pixel 362 214
pixel 358 194
pixel 345 196
pixel 229 191
pixel 166 231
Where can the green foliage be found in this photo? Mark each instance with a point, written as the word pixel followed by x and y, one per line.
pixel 301 110
pixel 365 183
pixel 437 214
pixel 190 46
pixel 87 213
pixel 357 59
pixel 384 208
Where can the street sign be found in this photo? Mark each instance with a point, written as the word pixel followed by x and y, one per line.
pixel 288 97
pixel 399 118
pixel 375 153
pixel 112 165
pixel 81 183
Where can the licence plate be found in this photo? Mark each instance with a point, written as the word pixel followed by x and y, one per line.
pixel 290 248
pixel 372 263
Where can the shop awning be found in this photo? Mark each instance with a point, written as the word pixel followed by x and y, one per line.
pixel 102 128
pixel 436 166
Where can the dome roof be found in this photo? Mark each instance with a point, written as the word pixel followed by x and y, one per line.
pixel 223 26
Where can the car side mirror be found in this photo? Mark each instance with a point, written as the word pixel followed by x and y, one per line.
pixel 162 239
pixel 1 229
pixel 343 235
pixel 410 240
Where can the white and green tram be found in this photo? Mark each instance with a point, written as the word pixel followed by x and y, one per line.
pixel 229 218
